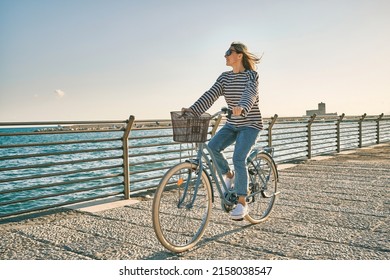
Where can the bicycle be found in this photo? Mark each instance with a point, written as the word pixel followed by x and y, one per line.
pixel 183 200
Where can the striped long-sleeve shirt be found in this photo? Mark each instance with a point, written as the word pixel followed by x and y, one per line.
pixel 239 89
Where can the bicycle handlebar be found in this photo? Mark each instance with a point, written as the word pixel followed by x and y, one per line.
pixel 224 111
pixel 228 112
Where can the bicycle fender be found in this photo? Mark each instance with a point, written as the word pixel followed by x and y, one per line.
pixel 276 167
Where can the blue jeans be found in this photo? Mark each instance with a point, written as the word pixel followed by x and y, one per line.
pixel 245 138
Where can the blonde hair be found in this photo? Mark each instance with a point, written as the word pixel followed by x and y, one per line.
pixel 249 60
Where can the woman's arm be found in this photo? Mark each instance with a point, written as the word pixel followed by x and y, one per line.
pixel 208 98
pixel 251 92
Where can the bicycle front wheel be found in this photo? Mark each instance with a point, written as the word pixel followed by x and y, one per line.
pixel 262 187
pixel 182 207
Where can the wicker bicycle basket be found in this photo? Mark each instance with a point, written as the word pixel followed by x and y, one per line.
pixel 188 128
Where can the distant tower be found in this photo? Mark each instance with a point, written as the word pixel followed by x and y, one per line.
pixel 321 111
pixel 321 108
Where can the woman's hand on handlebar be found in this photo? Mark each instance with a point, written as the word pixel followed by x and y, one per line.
pixel 237 111
pixel 186 110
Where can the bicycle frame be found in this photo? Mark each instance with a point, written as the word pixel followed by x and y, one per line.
pixel 229 198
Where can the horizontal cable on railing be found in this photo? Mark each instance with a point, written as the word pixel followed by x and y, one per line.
pixel 297 151
pixel 57 132
pixel 160 152
pixel 57 184
pixel 59 143
pixel 149 137
pixel 350 135
pixel 316 129
pixel 59 153
pixel 345 143
pixel 289 136
pixel 138 147
pixel 284 141
pixel 60 173
pixel 320 137
pixel 350 128
pixel 147 179
pixel 370 130
pixel 50 164
pixel 284 152
pixel 317 146
pixel 154 161
pixel 288 132
pixel 56 123
pixel 136 172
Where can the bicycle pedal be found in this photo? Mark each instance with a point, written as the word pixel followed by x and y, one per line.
pixel 227 208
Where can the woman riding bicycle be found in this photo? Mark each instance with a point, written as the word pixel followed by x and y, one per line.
pixel 240 89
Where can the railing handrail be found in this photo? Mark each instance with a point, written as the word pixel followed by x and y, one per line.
pixel 56 123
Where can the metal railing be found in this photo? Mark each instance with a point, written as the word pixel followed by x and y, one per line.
pixel 51 164
pixel 303 138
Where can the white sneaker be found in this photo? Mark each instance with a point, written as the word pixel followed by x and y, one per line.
pixel 239 212
pixel 229 182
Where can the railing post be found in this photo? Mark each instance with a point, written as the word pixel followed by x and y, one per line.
pixel 361 129
pixel 338 135
pixel 126 169
pixel 311 120
pixel 378 128
pixel 270 125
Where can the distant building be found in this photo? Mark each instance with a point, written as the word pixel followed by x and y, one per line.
pixel 321 111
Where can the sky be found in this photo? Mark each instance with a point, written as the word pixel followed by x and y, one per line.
pixel 107 60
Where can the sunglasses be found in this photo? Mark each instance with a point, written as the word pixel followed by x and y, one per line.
pixel 229 52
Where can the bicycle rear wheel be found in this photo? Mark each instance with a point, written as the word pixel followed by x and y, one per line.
pixel 179 221
pixel 262 186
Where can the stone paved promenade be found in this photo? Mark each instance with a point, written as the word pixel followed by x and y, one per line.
pixel 329 208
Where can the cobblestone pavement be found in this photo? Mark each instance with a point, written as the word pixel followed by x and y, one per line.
pixel 329 208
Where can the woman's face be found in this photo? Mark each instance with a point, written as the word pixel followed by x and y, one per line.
pixel 232 57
